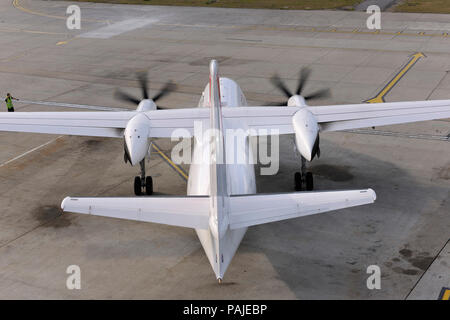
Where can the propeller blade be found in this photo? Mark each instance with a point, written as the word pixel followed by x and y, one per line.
pixel 126 154
pixel 168 88
pixel 304 76
pixel 324 93
pixel 120 95
pixel 276 81
pixel 143 81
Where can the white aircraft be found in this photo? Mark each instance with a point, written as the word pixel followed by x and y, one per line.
pixel 221 199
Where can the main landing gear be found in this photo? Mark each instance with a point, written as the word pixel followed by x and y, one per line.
pixel 143 183
pixel 303 178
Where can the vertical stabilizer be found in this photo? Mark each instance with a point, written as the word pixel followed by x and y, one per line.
pixel 217 157
pixel 218 176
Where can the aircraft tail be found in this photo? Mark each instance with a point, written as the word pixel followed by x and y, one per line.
pixel 218 175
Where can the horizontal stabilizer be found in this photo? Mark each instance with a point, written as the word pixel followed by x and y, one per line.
pixel 252 210
pixel 190 212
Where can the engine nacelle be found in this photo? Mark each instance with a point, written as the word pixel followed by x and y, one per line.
pixel 306 131
pixel 136 138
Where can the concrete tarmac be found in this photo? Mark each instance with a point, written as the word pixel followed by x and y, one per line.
pixel 405 232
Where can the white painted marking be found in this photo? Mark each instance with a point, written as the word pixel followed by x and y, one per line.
pixel 29 151
pixel 70 105
pixel 117 28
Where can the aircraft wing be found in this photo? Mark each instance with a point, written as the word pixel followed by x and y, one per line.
pixel 250 210
pixel 162 123
pixel 98 124
pixel 191 212
pixel 260 119
pixel 176 122
pixel 343 117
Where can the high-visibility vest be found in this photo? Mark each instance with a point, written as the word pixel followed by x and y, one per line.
pixel 9 103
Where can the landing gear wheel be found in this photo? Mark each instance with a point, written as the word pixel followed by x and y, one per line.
pixel 298 181
pixel 309 181
pixel 149 185
pixel 137 186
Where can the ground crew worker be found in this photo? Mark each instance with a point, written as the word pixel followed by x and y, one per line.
pixel 8 101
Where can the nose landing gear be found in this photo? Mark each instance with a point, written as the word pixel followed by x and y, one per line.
pixel 143 183
pixel 304 178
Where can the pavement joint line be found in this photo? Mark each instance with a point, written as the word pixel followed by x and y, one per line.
pixel 27 232
pixel 438 85
pixel 29 151
pixel 379 98
pixel 284 45
pixel 177 169
pixel 312 29
pixel 420 278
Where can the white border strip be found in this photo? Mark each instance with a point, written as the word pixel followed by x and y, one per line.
pixel 29 151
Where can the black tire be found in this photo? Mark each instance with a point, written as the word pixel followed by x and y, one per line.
pixel 298 181
pixel 149 185
pixel 137 186
pixel 309 181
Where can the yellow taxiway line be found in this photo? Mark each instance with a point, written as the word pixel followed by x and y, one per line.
pixel 170 162
pixel 379 98
pixel 445 294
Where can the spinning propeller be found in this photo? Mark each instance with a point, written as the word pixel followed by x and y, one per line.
pixel 304 75
pixel 136 143
pixel 143 81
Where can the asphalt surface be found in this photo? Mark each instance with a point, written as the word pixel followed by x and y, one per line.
pixel 405 232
